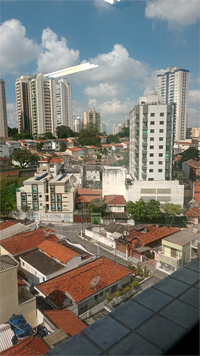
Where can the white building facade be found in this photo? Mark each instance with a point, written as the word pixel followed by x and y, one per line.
pixel 117 128
pixel 3 111
pixel 173 87
pixel 151 139
pixel 64 103
pixel 78 124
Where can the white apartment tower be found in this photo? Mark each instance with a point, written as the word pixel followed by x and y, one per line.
pixel 173 87
pixel 92 117
pixel 3 111
pixel 23 104
pixel 78 124
pixel 64 103
pixel 151 139
pixel 116 128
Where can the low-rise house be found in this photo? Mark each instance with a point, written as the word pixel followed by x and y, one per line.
pixel 27 144
pixel 125 144
pixel 181 146
pixel 12 145
pixel 55 145
pixel 51 165
pixel 191 169
pixel 117 146
pixel 179 248
pixel 10 228
pixel 115 203
pixel 75 152
pixel 31 345
pixel 92 176
pixel 86 195
pixel 84 287
pixel 62 319
pixel 4 150
pixel 103 139
pixel 107 147
pixel 14 300
pixel 26 242
pixel 193 215
pixel 91 151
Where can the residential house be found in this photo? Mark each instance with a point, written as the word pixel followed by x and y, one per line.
pixel 125 145
pixel 75 152
pixel 55 145
pixel 117 146
pixel 31 345
pixel 22 243
pixel 103 139
pixel 12 145
pixel 91 151
pixel 191 169
pixel 14 300
pixel 4 150
pixel 86 256
pixel 27 144
pixel 179 248
pixel 84 287
pixel 51 165
pixel 181 146
pixel 10 228
pixel 107 147
pixel 115 203
pixel 92 176
pixel 193 215
pixel 85 195
pixel 62 319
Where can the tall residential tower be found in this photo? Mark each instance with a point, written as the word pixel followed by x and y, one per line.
pixel 173 87
pixel 3 111
pixel 92 117
pixel 151 139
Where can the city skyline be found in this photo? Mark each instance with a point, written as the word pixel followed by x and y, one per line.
pixel 130 50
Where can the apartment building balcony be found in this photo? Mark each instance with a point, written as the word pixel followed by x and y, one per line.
pixel 144 143
pixel 172 261
pixel 144 158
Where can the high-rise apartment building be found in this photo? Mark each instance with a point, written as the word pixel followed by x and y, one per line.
pixel 151 139
pixel 3 111
pixel 103 128
pixel 117 128
pixel 64 103
pixel 173 87
pixel 78 124
pixel 43 104
pixel 92 117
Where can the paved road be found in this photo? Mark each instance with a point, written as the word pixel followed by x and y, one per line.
pixel 70 232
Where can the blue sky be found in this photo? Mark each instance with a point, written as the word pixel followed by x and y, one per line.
pixel 131 41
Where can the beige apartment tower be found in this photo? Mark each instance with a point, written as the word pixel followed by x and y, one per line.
pixel 92 117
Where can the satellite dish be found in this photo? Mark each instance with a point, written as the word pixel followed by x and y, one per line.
pixel 94 282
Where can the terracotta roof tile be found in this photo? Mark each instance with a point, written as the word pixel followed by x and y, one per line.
pixel 61 253
pixel 66 321
pixel 21 283
pixel 77 282
pixel 6 223
pixel 104 145
pixel 88 191
pixel 55 160
pixel 73 149
pixel 156 233
pixel 85 195
pixel 117 144
pixel 28 240
pixel 114 199
pixel 193 212
pixel 29 346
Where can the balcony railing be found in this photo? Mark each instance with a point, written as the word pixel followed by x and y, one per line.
pixel 175 262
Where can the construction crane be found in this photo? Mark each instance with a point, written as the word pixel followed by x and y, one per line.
pixel 71 70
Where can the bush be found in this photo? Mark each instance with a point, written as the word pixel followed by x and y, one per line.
pixel 118 293
pixel 134 284
pixel 110 299
pixel 126 289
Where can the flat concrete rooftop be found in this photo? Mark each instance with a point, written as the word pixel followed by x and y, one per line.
pixel 151 323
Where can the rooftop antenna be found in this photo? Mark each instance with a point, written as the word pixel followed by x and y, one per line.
pixel 94 282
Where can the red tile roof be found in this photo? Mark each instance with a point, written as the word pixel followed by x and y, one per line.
pixel 193 212
pixel 73 149
pixel 104 145
pixel 77 282
pixel 66 321
pixel 114 199
pixel 91 146
pixel 28 240
pixel 44 160
pixel 117 144
pixel 21 283
pixel 127 142
pixel 156 233
pixel 88 191
pixel 61 253
pixel 6 223
pixel 55 160
pixel 85 195
pixel 29 346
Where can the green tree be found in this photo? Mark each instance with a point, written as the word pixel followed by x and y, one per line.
pixel 137 210
pixel 105 152
pixel 190 153
pixel 39 145
pixel 46 136
pixel 12 131
pixel 63 147
pixel 153 210
pixel 64 132
pixel 125 132
pixel 22 136
pixel 7 205
pixel 24 157
pixel 87 141
pixel 92 133
pixel 112 138
pixel 171 210
pixel 97 206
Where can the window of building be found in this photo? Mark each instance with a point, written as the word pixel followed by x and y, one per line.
pixel 59 199
pixel 151 147
pixel 34 188
pixel 151 162
pixel 161 130
pixel 152 114
pixel 40 204
pixel 52 189
pixel 161 113
pixel 35 206
pixel 160 154
pixel 151 155
pixel 35 198
pixel 23 197
pixel 160 147
pixel 161 122
pixel 160 170
pixel 151 179
pixel 152 131
pixel 152 122
pixel 173 252
pixel 160 162
pixel 151 138
pixel 52 206
pixel 151 170
pixel 59 206
pixel 160 138
pixel 96 297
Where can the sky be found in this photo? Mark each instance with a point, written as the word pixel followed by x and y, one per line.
pixel 131 41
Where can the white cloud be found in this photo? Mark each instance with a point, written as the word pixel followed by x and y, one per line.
pixel 56 54
pixel 16 48
pixel 194 96
pixel 193 117
pixel 102 4
pixel 12 115
pixel 178 13
pixel 103 90
pixel 115 66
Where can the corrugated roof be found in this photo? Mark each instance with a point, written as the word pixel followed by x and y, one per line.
pixel 44 264
pixel 13 230
pixel 66 321
pixel 29 346
pixel 61 253
pixel 77 282
pixel 6 335
pixel 28 240
pixel 184 237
